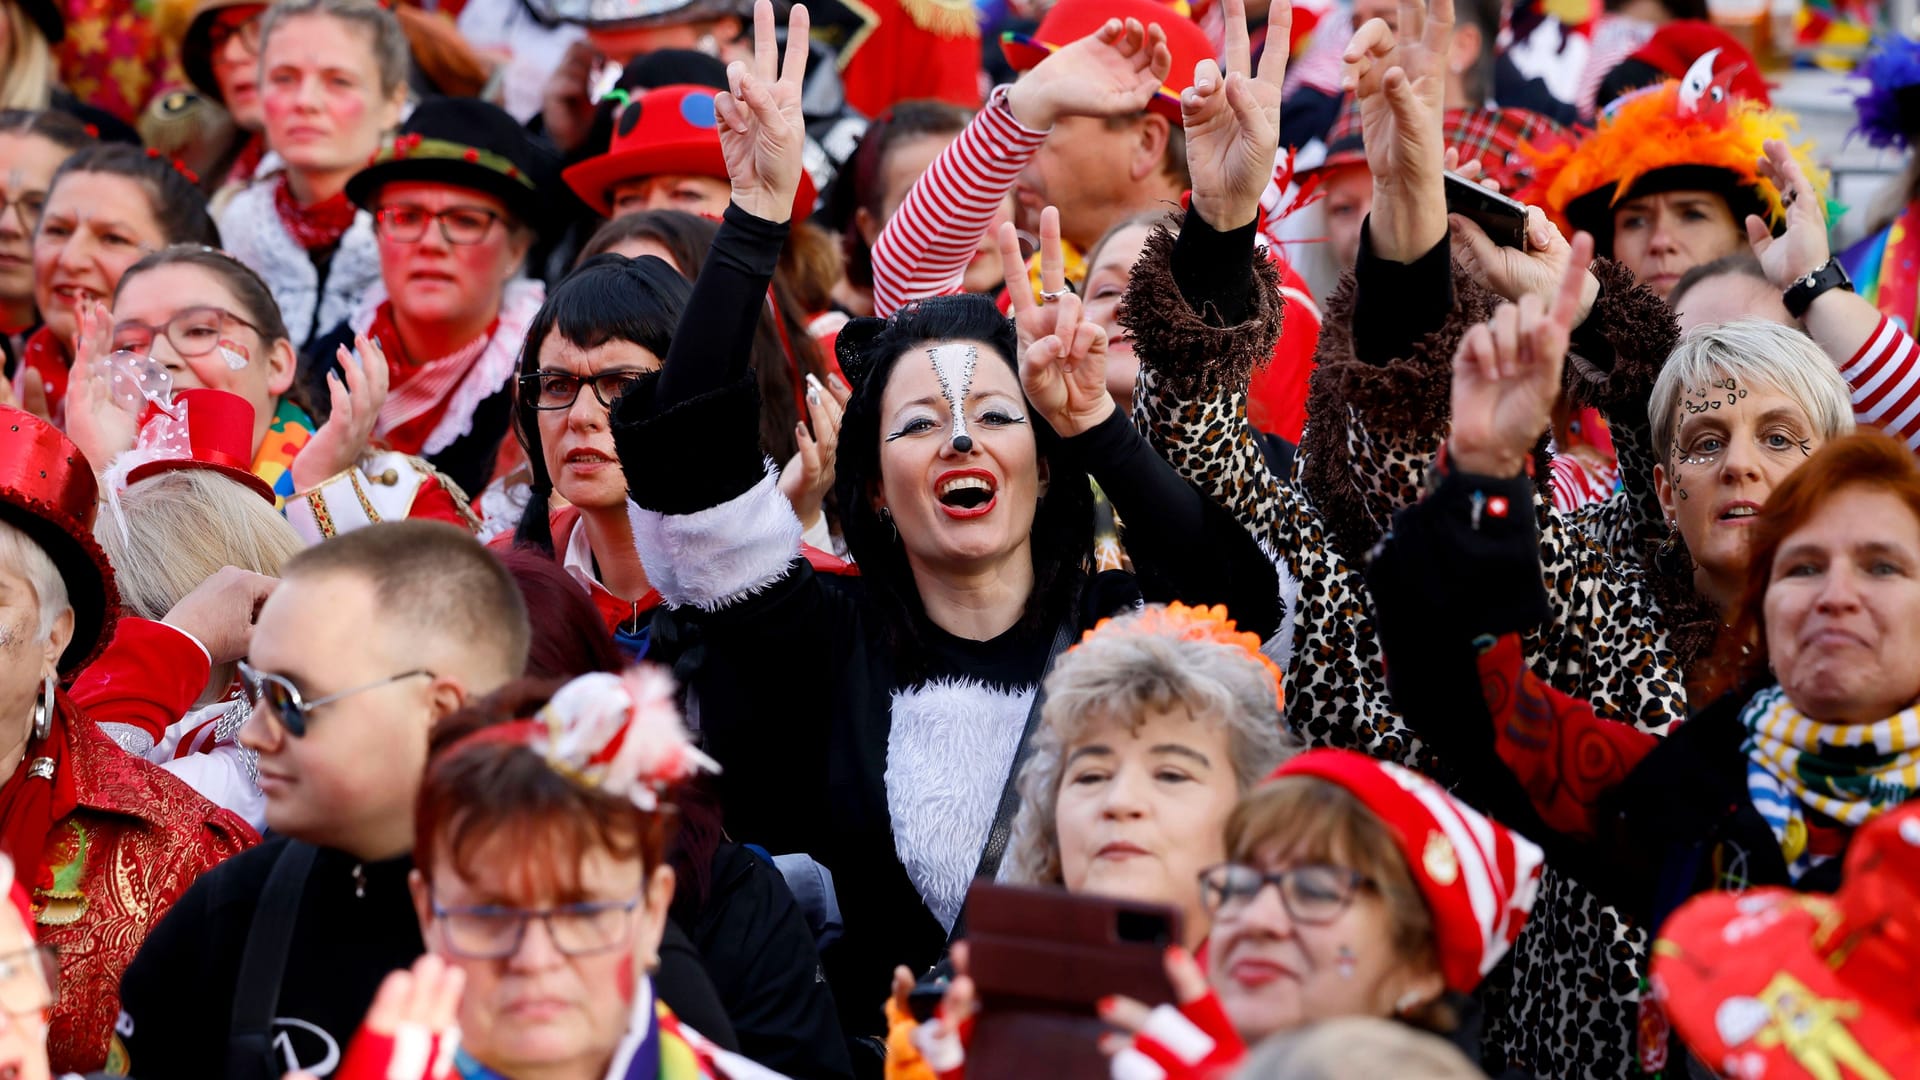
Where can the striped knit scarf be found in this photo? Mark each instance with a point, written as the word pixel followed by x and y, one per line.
pixel 1847 772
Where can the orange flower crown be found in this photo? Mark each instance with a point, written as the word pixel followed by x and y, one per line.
pixel 1655 130
pixel 1177 620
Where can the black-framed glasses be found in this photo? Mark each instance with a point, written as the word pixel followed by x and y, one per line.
pixel 407 223
pixel 193 332
pixel 559 389
pixel 246 30
pixel 26 209
pixel 293 710
pixel 1313 894
pixel 29 980
pixel 494 932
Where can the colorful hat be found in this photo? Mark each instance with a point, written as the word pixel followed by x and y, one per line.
pixel 1779 983
pixel 467 143
pixel 1691 134
pixel 213 430
pixel 1494 137
pixel 1070 20
pixel 637 13
pixel 196 47
pixel 1479 879
pixel 673 129
pixel 1674 48
pixel 1890 109
pixel 47 491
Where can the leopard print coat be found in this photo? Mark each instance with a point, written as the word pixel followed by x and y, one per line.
pixel 1567 1003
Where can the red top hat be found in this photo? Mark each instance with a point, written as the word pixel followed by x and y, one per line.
pixel 670 129
pixel 1781 983
pixel 1070 20
pixel 47 491
pixel 1478 878
pixel 214 431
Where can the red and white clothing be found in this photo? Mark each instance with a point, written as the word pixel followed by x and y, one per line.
pixel 928 243
pixel 1885 377
pixel 1577 481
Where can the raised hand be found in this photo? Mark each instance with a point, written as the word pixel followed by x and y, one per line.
pixel 411 1030
pixel 1803 248
pixel 98 425
pixel 1400 80
pixel 1114 71
pixel 808 475
pixel 1190 1039
pixel 1233 121
pixel 337 446
pixel 1034 319
pixel 762 134
pixel 1065 373
pixel 1506 374
pixel 1513 273
pixel 220 611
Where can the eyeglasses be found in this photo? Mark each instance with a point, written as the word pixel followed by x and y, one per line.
pixel 26 209
pixel 407 223
pixel 559 389
pixel 193 332
pixel 284 698
pixel 1314 894
pixel 491 932
pixel 246 30
pixel 29 980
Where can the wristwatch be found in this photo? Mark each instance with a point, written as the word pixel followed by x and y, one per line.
pixel 1803 292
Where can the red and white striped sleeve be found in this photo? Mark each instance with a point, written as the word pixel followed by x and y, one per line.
pixel 926 246
pixel 1575 483
pixel 1885 377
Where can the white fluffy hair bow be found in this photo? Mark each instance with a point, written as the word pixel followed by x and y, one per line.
pixel 622 734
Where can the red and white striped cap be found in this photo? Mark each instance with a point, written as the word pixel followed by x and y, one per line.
pixel 1479 878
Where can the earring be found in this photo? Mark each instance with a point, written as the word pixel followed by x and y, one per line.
pixel 1671 557
pixel 886 515
pixel 43 711
pixel 707 44
pixel 1344 962
pixel 1408 1002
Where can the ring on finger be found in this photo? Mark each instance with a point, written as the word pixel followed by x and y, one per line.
pixel 1052 296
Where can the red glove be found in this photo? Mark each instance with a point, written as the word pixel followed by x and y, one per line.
pixel 412 1052
pixel 1195 1041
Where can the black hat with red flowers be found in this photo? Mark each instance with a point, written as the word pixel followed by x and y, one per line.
pixel 467 143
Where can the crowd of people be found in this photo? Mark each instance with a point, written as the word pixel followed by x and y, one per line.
pixel 575 539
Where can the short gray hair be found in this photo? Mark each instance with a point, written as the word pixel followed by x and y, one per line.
pixel 1752 351
pixel 1354 1047
pixel 1128 668
pixel 170 532
pixel 22 555
pixel 392 53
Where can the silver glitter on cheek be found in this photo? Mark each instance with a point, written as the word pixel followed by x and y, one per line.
pixel 953 365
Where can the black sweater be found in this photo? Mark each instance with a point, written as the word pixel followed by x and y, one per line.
pixel 796 687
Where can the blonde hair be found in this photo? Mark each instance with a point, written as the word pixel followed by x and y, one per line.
pixel 26 71
pixel 1129 668
pixel 1357 1048
pixel 181 527
pixel 22 555
pixel 1750 351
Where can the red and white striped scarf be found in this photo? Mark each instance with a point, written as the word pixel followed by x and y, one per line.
pixel 418 394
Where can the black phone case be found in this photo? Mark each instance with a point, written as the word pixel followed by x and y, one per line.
pixel 1503 219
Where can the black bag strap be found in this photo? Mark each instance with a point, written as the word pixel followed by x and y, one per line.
pixel 263 966
pixel 1002 829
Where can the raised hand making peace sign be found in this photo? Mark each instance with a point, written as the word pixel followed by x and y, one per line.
pixel 1400 79
pixel 762 134
pixel 1233 121
pixel 1063 359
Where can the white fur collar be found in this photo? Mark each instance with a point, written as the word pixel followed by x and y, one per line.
pixel 490 371
pixel 948 751
pixel 252 232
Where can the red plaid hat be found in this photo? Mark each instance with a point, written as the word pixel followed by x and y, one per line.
pixel 1070 20
pixel 1492 137
pixel 1780 983
pixel 1479 878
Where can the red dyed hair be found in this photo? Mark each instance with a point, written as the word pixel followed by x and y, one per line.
pixel 1865 459
pixel 477 790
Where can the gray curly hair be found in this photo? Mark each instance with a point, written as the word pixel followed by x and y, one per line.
pixel 1125 670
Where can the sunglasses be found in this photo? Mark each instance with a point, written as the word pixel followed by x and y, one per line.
pixel 285 700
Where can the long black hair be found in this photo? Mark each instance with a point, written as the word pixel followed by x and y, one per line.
pixel 609 298
pixel 869 349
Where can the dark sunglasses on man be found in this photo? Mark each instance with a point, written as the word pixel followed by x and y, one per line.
pixel 294 711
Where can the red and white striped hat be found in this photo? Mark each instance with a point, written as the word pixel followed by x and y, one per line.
pixel 1478 877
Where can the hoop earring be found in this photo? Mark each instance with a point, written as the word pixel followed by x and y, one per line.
pixel 43 711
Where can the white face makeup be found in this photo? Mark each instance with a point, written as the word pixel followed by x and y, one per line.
pixel 953 365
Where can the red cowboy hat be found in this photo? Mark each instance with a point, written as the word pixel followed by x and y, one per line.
pixel 1781 983
pixel 669 129
pixel 48 492
pixel 1070 20
pixel 214 431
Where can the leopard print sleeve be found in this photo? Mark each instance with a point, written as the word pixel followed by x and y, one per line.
pixel 1616 356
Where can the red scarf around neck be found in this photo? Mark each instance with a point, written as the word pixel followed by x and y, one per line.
pixel 419 390
pixel 30 806
pixel 313 227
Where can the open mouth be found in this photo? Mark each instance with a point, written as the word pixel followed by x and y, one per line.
pixel 75 294
pixel 588 458
pixel 1739 512
pixel 965 493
